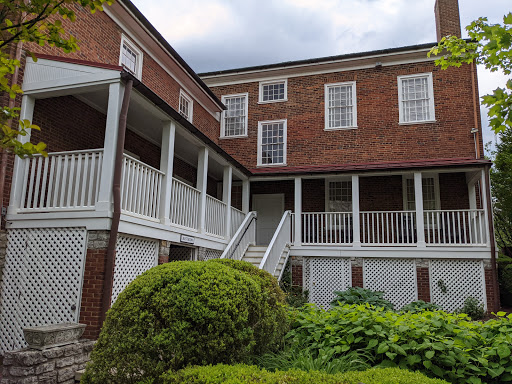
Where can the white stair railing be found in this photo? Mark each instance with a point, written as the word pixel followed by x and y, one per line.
pixel 215 216
pixel 61 181
pixel 242 239
pixel 278 245
pixel 455 227
pixel 141 186
pixel 184 205
pixel 237 217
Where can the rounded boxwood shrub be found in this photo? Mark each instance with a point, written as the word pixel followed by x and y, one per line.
pixel 226 374
pixel 177 314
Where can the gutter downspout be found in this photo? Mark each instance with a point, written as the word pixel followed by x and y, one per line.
pixel 114 229
pixel 12 104
pixel 494 269
pixel 475 131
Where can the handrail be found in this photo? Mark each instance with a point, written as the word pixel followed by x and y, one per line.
pixel 275 242
pixel 239 236
pixel 142 163
pixel 185 184
pixel 71 152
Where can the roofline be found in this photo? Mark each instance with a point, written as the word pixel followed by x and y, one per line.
pixel 324 59
pixel 166 108
pixel 145 22
pixel 65 59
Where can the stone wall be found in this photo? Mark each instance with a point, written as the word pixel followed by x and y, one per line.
pixel 54 365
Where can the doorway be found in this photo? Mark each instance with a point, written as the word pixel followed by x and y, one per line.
pixel 270 209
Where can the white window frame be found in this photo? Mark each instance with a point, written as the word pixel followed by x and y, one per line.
pixel 437 192
pixel 270 82
pixel 138 54
pixel 327 190
pixel 354 107
pixel 431 106
pixel 190 105
pixel 285 139
pixel 223 116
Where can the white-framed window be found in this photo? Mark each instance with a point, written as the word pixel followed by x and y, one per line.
pixel 338 195
pixel 234 119
pixel 340 106
pixel 416 98
pixel 431 194
pixel 273 91
pixel 130 57
pixel 186 106
pixel 272 142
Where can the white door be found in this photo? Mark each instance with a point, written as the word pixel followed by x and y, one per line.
pixel 270 209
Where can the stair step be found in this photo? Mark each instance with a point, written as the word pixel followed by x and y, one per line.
pixel 259 248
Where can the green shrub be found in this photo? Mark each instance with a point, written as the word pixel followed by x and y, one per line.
pixel 420 306
pixel 473 308
pixel 243 374
pixel 296 296
pixel 439 344
pixel 178 314
pixel 360 296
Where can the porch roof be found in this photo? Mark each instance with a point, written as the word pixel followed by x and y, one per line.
pixel 367 167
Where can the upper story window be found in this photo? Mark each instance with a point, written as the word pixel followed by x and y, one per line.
pixel 416 98
pixel 186 106
pixel 339 196
pixel 272 142
pixel 430 186
pixel 131 57
pixel 273 91
pixel 340 106
pixel 234 119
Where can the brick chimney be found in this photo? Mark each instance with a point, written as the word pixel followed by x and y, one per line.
pixel 447 18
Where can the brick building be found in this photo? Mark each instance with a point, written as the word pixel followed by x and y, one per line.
pixel 362 170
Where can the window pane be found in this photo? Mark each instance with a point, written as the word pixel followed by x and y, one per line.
pixel 184 107
pixel 273 91
pixel 429 194
pixel 340 196
pixel 340 106
pixel 234 116
pixel 129 58
pixel 415 99
pixel 272 143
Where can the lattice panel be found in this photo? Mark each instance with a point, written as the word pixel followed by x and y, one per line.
pixel 396 277
pixel 461 278
pixel 42 282
pixel 210 254
pixel 177 253
pixel 327 275
pixel 134 256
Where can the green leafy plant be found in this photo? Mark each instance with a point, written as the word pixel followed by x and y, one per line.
pixel 473 308
pixel 296 296
pixel 360 296
pixel 185 313
pixel 442 286
pixel 439 344
pixel 420 306
pixel 220 374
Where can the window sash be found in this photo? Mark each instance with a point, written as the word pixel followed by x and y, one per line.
pixel 340 106
pixel 339 196
pixel 273 91
pixel 272 143
pixel 184 107
pixel 416 99
pixel 129 58
pixel 235 116
pixel 429 194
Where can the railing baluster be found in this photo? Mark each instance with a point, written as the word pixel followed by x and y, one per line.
pixel 31 183
pixel 46 160
pixel 37 182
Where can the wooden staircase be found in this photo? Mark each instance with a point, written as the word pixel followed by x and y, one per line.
pixel 254 255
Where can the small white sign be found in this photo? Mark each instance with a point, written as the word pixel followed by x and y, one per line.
pixel 187 239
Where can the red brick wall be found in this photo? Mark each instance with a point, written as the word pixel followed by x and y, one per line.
pixel 381 193
pixel 313 195
pixel 357 276
pixel 92 292
pixel 267 187
pixel 493 299
pixel 423 278
pixel 297 275
pixel 447 18
pixel 453 191
pixel 379 137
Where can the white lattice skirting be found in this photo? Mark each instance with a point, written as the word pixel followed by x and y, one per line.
pixel 210 254
pixel 322 276
pixel 42 282
pixel 396 277
pixel 460 279
pixel 134 256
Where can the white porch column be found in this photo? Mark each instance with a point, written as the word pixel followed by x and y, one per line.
pixel 356 217
pixel 202 182
pixel 472 195
pixel 483 192
pixel 420 221
pixel 246 187
pixel 115 99
pixel 26 113
pixel 298 211
pixel 166 166
pixel 227 181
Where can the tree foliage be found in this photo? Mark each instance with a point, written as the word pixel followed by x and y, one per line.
pixel 38 22
pixel 490 46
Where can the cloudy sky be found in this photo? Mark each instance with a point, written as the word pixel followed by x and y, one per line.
pixel 220 34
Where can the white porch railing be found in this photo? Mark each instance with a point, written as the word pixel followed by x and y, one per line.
pixel 215 216
pixel 141 186
pixel 278 245
pixel 326 228
pixel 457 227
pixel 237 217
pixel 61 181
pixel 184 205
pixel 388 228
pixel 242 239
